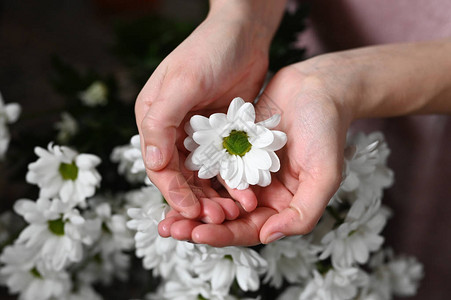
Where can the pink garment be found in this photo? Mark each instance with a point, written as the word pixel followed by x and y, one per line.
pixel 421 145
pixel 343 24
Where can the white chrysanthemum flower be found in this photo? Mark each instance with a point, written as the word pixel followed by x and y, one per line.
pixel 143 197
pixel 341 284
pixel 292 258
pixel 62 172
pixel 359 234
pixel 67 128
pixel 221 266
pixel 365 170
pixel 55 232
pixel 161 255
pixel 130 160
pixel 9 113
pixel 32 281
pixel 234 146
pixel 406 272
pixel 96 94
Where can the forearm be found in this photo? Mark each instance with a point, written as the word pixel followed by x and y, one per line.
pixel 260 17
pixel 403 79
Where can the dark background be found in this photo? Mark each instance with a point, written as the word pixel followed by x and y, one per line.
pixel 81 32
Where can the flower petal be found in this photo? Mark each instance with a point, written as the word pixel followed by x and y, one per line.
pixel 238 175
pixel 250 171
pixel 190 144
pixel 246 113
pixel 228 167
pixel 270 123
pixel 263 138
pixel 205 137
pixel 233 108
pixel 265 178
pixel 275 162
pixel 258 158
pixel 199 123
pixel 208 171
pixel 280 139
pixel 218 120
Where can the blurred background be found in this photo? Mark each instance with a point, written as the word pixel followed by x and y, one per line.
pixel 36 35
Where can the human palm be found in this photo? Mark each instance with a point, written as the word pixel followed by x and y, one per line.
pixel 310 173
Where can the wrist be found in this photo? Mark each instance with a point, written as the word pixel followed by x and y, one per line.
pixel 258 19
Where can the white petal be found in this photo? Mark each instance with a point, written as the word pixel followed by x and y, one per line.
pixel 258 158
pixel 275 162
pixel 264 137
pixel 280 139
pixel 242 186
pixel 246 113
pixel 250 171
pixel 190 144
pixel 199 123
pixel 188 129
pixel 228 167
pixel 86 161
pixel 237 177
pixel 208 171
pixel 265 178
pixel 218 120
pixel 189 164
pixel 205 137
pixel 233 108
pixel 271 122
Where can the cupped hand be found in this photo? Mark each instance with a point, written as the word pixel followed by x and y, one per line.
pixel 224 57
pixel 311 163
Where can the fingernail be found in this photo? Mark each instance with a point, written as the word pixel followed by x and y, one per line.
pixel 274 237
pixel 154 158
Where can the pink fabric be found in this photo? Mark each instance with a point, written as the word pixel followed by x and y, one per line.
pixel 421 145
pixel 344 24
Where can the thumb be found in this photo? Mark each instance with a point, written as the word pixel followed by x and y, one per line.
pixel 304 211
pixel 158 118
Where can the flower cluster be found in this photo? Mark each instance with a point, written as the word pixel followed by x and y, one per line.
pixel 76 237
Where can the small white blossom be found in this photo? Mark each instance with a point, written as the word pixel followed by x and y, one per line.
pixel 23 274
pixel 9 113
pixel 291 258
pixel 340 284
pixel 67 128
pixel 55 232
pixel 96 94
pixel 234 146
pixel 62 172
pixel 130 160
pixel 359 234
pixel 221 266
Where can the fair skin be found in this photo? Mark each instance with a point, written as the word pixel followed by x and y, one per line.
pixel 319 98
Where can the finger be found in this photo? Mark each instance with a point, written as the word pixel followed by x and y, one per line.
pixel 246 197
pixel 304 211
pixel 243 231
pixel 164 227
pixel 175 189
pixel 182 229
pixel 160 108
pixel 230 209
pixel 211 212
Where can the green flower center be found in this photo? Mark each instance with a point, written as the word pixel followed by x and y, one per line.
pixel 36 273
pixel 237 143
pixel 68 171
pixel 56 226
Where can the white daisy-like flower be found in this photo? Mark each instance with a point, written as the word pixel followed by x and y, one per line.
pixel 340 284
pixel 130 160
pixel 232 145
pixel 23 274
pixel 359 234
pixel 55 233
pixel 9 113
pixel 62 172
pixel 96 94
pixel 221 266
pixel 67 128
pixel 291 258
